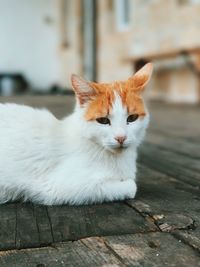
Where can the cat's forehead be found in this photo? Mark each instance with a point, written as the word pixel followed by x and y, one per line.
pixel 112 88
pixel 114 98
pixel 118 108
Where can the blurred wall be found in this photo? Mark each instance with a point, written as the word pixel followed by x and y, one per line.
pixel 32 43
pixel 114 44
pixel 154 27
pixel 47 39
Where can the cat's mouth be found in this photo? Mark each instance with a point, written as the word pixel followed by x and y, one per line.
pixel 117 148
pixel 122 147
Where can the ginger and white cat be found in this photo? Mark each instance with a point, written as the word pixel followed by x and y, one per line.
pixel 88 157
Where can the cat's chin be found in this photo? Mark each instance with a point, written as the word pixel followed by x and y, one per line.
pixel 117 149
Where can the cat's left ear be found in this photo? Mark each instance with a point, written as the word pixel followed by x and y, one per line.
pixel 142 77
pixel 82 89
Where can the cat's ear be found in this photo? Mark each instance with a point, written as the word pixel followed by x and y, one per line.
pixel 82 89
pixel 141 78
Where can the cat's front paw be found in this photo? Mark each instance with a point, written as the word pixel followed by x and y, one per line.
pixel 119 190
pixel 129 188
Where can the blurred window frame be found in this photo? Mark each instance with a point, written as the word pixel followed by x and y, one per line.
pixel 122 14
pixel 196 2
pixel 188 2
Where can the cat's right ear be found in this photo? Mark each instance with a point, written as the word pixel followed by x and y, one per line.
pixel 82 89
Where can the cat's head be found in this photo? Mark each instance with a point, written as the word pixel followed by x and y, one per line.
pixel 114 115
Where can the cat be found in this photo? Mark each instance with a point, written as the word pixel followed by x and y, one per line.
pixel 87 157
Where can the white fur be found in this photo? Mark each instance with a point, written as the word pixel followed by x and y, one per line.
pixel 72 161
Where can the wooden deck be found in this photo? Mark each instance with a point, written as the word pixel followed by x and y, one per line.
pixel 161 227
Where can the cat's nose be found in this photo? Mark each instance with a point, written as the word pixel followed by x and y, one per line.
pixel 120 139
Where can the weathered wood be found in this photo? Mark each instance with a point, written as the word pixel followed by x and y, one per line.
pixel 89 253
pixel 43 225
pixel 34 226
pixel 179 159
pixel 7 226
pixel 174 144
pixel 159 194
pixel 143 250
pixel 153 249
pixel 72 223
pixel 172 205
pixel 170 163
pixel 58 104
pixel 179 121
pixel 27 234
pixel 189 237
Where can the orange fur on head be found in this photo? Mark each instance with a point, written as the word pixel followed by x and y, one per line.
pixel 100 96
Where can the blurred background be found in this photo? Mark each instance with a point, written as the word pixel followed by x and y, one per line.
pixel 42 42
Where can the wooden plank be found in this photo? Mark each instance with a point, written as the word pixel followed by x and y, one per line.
pixel 27 234
pixel 171 204
pixel 25 225
pixel 170 163
pixel 43 225
pixel 152 249
pixel 89 252
pixel 22 225
pixel 175 120
pixel 181 133
pixel 7 226
pixel 58 104
pixel 189 237
pixel 158 193
pixel 171 156
pixel 72 223
pixel 173 143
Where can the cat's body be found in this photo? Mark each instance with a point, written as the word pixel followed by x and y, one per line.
pixel 73 160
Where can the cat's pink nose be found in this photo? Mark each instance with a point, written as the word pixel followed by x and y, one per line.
pixel 120 139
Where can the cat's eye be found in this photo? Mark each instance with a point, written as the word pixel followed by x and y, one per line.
pixel 132 118
pixel 103 120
